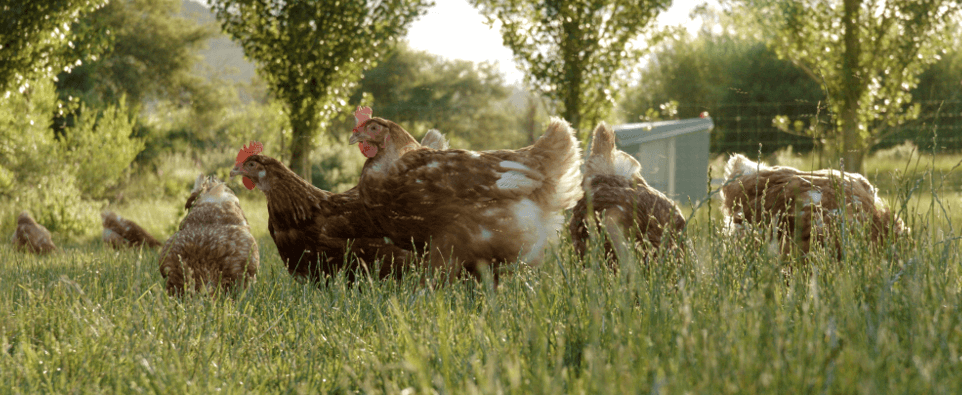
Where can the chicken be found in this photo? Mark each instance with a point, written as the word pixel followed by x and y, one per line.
pixel 469 209
pixel 800 208
pixel 317 233
pixel 120 232
pixel 434 139
pixel 631 212
pixel 31 236
pixel 213 248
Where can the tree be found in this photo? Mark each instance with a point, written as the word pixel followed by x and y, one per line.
pixel 466 101
pixel 738 80
pixel 574 51
pixel 151 56
pixel 866 55
pixel 312 53
pixel 36 42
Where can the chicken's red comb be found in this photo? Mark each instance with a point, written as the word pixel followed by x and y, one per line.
pixel 253 148
pixel 362 115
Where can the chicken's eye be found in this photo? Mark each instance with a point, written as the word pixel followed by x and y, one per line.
pixel 250 165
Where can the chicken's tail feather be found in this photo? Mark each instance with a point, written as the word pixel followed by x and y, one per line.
pixel 739 165
pixel 606 159
pixel 559 153
pixel 434 139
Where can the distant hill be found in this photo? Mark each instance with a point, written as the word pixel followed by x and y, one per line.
pixel 223 57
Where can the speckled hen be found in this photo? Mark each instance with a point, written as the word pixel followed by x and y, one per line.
pixel 213 249
pixel 468 209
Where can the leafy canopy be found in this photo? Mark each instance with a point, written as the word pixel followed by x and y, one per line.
pixel 574 52
pixel 736 78
pixel 467 102
pixel 312 53
pixel 152 55
pixel 62 182
pixel 866 54
pixel 36 40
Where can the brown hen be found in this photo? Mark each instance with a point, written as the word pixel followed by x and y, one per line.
pixel 800 208
pixel 633 214
pixel 469 209
pixel 31 236
pixel 318 233
pixel 120 232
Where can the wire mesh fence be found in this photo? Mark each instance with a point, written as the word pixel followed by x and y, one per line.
pixel 751 127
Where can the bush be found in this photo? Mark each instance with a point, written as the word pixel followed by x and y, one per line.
pixel 100 148
pixel 337 165
pixel 55 202
pixel 59 182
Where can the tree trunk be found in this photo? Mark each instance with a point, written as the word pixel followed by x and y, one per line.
pixel 301 147
pixel 531 121
pixel 570 49
pixel 853 146
pixel 572 99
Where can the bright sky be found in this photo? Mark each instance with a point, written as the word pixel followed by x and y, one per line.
pixel 456 30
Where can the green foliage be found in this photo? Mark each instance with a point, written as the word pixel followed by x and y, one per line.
pixel 151 56
pixel 28 146
pixel 468 102
pixel 574 52
pixel 312 53
pixel 61 181
pixel 41 184
pixel 174 154
pixel 866 54
pixel 54 199
pixel 337 166
pixel 736 79
pixel 100 148
pixel 942 80
pixel 37 41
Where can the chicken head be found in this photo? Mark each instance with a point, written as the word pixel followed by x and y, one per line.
pixel 253 172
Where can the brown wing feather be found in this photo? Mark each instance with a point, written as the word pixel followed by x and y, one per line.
pixel 638 209
pixel 319 233
pixel 804 205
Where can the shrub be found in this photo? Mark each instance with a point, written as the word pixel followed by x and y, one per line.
pixel 59 182
pixel 100 148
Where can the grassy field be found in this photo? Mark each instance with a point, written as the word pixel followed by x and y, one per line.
pixel 732 319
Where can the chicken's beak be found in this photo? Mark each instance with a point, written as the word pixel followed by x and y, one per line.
pixel 236 171
pixel 354 139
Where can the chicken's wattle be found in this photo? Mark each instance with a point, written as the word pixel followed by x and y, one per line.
pixel 368 149
pixel 249 183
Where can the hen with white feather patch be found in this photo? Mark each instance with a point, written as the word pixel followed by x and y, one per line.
pixel 469 209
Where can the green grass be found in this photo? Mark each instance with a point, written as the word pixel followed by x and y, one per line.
pixel 732 320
